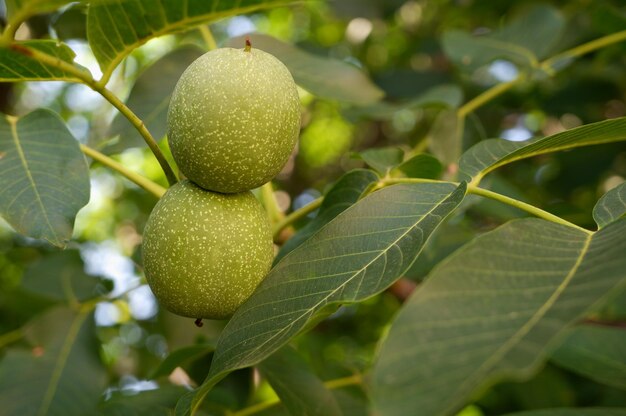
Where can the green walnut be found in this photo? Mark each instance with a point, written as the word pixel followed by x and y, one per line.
pixel 233 119
pixel 205 252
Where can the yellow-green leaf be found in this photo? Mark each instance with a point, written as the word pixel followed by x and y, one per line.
pixel 116 27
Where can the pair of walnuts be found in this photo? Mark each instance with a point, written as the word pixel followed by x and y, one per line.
pixel 233 121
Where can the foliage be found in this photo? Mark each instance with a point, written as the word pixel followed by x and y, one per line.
pixel 407 279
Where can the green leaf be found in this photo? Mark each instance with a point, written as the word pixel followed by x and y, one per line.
pixel 344 193
pixel 446 137
pixel 357 255
pixel 150 97
pixel 61 374
pixel 157 402
pixel 116 27
pixel 44 179
pixel 300 391
pixel 60 276
pixel 445 96
pixel 488 155
pixel 16 65
pixel 20 10
pixel 179 357
pixel 586 411
pixel 611 206
pixel 382 159
pixel 596 352
pixel 490 310
pixel 324 77
pixel 529 37
pixel 422 165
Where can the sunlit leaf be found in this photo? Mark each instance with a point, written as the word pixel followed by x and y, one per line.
pixel 16 65
pixel 323 77
pixel 116 27
pixel 345 192
pixel 358 254
pixel 491 154
pixel 491 310
pixel 150 97
pixel 61 374
pixel 179 357
pixel 60 276
pixel 44 179
pixel 611 206
pixel 596 352
pixel 20 10
pixel 299 389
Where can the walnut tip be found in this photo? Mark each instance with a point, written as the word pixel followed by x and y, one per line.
pixel 248 44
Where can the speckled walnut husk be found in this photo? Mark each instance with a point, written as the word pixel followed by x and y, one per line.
pixel 233 119
pixel 204 252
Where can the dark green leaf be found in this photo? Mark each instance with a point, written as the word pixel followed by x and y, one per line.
pixel 179 357
pixel 345 192
pixel 72 23
pixel 150 98
pixel 611 206
pixel 358 254
pixel 300 391
pixel 490 311
pixel 61 374
pixel 382 159
pixel 529 37
pixel 422 165
pixel 587 411
pixel 17 66
pixel 597 352
pixel 116 27
pixel 323 77
pixel 491 154
pixel 60 276
pixel 44 179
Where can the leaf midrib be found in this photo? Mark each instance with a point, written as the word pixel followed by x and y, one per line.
pixel 13 123
pixel 488 365
pixel 356 273
pixel 173 28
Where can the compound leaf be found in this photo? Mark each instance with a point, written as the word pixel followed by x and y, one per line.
pixel 357 255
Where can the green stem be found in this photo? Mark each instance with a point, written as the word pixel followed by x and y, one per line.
pixel 296 215
pixel 148 185
pixel 330 384
pixel 531 209
pixel 86 78
pixel 207 36
pixel 271 205
pixel 546 65
pixel 584 49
